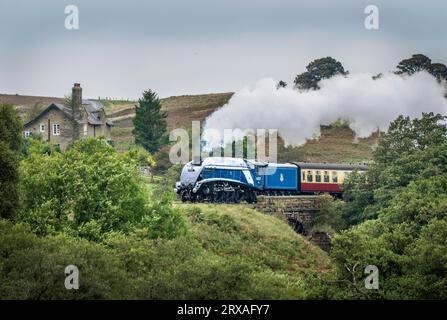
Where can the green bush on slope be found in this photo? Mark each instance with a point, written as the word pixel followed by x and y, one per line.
pixel 233 253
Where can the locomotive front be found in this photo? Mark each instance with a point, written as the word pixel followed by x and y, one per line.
pixel 188 178
pixel 217 179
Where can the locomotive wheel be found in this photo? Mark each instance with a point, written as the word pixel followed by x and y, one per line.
pixel 185 196
pixel 237 196
pixel 251 197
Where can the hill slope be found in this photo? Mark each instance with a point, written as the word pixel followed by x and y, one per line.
pixel 283 262
pixel 229 252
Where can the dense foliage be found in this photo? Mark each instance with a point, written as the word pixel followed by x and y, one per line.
pixel 234 254
pixel 420 62
pixel 92 208
pixel 89 191
pixel 317 70
pixel 403 203
pixel 10 137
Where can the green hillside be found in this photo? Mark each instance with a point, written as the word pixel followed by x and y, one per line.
pixel 229 252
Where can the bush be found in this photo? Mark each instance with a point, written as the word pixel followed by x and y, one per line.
pixel 34 268
pixel 88 191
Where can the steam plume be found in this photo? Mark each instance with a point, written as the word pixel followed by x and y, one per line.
pixel 368 104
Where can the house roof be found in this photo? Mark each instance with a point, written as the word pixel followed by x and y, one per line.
pixel 92 108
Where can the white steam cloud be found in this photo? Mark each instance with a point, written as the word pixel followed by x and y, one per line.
pixel 368 104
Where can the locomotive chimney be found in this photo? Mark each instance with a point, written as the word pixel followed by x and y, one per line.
pixel 76 101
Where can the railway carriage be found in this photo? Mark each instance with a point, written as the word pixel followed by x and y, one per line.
pixel 325 177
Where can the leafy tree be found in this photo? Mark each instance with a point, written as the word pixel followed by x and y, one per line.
pixel 141 157
pixel 33 267
pixel 406 135
pixel 417 63
pixel 420 62
pixel 439 70
pixel 10 143
pixel 405 193
pixel 149 122
pixel 409 150
pixel 91 190
pixel 357 195
pixel 329 216
pixel 317 70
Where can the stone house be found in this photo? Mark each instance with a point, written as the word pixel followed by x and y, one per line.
pixel 62 124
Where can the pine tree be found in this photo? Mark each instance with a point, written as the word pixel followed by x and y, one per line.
pixel 149 122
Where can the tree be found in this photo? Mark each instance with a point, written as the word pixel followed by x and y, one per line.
pixel 10 143
pixel 281 84
pixel 405 197
pixel 89 191
pixel 149 122
pixel 406 135
pixel 439 70
pixel 317 70
pixel 420 62
pixel 417 63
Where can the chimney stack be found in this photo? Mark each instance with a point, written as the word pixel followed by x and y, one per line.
pixel 76 101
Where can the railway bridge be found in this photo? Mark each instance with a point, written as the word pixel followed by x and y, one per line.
pixel 299 212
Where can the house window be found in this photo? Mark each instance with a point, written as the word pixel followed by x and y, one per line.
pixel 85 129
pixel 42 127
pixel 56 130
pixel 27 133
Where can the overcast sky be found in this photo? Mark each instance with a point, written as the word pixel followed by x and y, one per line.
pixel 180 47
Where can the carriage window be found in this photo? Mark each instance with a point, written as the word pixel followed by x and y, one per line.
pixel 310 177
pixel 326 176
pixel 318 176
pixel 334 177
pixel 304 176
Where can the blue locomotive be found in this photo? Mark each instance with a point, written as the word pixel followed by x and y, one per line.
pixel 232 180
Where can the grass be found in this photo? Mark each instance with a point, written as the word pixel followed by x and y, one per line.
pixel 279 258
pixel 336 143
pixel 265 241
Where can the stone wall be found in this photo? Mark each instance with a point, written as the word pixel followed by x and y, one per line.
pixel 53 116
pixel 298 210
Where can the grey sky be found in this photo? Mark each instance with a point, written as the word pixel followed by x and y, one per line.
pixel 198 46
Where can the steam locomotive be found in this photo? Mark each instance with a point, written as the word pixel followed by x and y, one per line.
pixel 232 180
